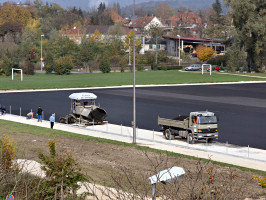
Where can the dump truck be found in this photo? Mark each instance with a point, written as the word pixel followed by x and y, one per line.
pixel 201 125
pixel 84 110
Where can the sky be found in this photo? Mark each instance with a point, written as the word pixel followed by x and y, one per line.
pixel 90 4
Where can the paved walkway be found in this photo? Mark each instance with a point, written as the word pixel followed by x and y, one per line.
pixel 244 74
pixel 242 156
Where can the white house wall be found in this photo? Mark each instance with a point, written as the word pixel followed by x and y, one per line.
pixel 147 47
pixel 154 22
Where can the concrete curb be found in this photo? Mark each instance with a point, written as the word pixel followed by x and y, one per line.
pixel 130 86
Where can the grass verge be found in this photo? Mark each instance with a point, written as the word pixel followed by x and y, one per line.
pixel 13 128
pixel 53 81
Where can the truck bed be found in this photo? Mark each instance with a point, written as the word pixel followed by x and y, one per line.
pixel 179 122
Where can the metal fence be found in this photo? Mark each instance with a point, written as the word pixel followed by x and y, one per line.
pixel 147 135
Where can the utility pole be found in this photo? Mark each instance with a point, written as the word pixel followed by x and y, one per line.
pixel 156 61
pixel 179 49
pixel 41 54
pixel 134 79
pixel 129 49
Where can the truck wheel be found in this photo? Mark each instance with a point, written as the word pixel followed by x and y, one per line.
pixel 168 135
pixel 210 140
pixel 190 139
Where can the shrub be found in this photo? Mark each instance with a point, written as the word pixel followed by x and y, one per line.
pixel 48 68
pixel 174 67
pixel 8 153
pixel 64 65
pixel 1 70
pixel 163 56
pixel 123 63
pixel 149 58
pixel 141 59
pixel 105 66
pixel 49 63
pixel 218 60
pixel 261 181
pixel 154 66
pixel 28 67
pixel 62 174
pixel 204 53
pixel 222 66
pixel 8 63
pixel 163 67
pixel 94 64
pixel 115 60
pixel 140 67
pixel 235 58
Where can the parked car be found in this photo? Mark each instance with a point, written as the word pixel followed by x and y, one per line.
pixel 194 67
pixel 214 68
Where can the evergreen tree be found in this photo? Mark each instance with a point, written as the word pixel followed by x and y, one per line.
pixel 118 8
pixel 101 8
pixel 80 13
pixel 217 6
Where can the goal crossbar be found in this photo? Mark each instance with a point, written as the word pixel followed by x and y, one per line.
pixel 21 73
pixel 202 69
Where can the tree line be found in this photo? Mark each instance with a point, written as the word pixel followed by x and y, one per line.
pixel 21 29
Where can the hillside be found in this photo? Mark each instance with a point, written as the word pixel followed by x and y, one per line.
pixel 126 4
pixel 192 4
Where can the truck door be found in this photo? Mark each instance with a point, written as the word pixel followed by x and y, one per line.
pixel 194 119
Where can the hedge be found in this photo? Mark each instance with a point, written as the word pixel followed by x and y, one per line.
pixel 173 67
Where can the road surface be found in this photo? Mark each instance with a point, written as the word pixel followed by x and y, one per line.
pixel 241 107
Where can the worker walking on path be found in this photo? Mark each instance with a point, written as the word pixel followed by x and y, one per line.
pixel 52 120
pixel 39 113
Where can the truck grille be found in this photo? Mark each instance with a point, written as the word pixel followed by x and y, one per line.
pixel 211 130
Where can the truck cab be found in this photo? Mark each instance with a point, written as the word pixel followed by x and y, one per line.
pixel 203 125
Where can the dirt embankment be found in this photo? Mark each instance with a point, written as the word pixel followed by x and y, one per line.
pixel 115 165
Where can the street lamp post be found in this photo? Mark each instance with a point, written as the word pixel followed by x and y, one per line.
pixel 134 79
pixel 179 48
pixel 41 53
pixel 129 50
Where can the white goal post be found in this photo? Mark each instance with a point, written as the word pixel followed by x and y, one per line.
pixel 21 72
pixel 202 68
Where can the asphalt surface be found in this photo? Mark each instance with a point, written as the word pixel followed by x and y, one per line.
pixel 241 107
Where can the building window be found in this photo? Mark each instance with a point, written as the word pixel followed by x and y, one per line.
pixel 158 46
pixel 150 46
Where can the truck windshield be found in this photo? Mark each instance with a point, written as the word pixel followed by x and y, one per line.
pixel 207 120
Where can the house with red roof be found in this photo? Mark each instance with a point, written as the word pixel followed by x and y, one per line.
pixel 186 20
pixel 145 23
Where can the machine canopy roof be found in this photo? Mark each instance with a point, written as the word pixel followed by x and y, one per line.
pixel 82 96
pixel 168 176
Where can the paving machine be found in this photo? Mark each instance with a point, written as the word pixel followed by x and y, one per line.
pixel 84 110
